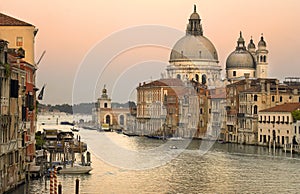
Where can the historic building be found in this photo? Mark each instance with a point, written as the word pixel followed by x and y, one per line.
pixel 217 121
pixel 277 126
pixel 180 104
pixel 245 98
pixel 17 101
pixel 171 107
pixel 194 57
pixel 247 60
pixel 19 34
pixel 108 117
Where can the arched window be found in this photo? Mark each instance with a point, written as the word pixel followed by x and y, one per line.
pixel 105 105
pixel 261 58
pixel 255 98
pixel 121 120
pixel 197 77
pixel 178 76
pixel 201 111
pixel 203 79
pixel 255 109
pixel 280 98
pixel 265 58
pixel 107 119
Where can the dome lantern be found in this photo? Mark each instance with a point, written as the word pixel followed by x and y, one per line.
pixel 194 27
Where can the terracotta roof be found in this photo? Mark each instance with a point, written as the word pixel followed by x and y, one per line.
pixel 164 82
pixel 6 20
pixel 287 107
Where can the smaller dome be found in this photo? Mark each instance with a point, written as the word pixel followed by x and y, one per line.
pixel 240 59
pixel 262 43
pixel 251 45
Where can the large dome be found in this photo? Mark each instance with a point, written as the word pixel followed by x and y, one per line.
pixel 195 48
pixel 240 59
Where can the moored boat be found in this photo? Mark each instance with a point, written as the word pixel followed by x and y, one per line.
pixel 76 170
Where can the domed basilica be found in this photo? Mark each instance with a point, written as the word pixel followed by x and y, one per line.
pixel 247 61
pixel 194 57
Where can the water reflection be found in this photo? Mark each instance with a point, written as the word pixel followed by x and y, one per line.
pixel 225 168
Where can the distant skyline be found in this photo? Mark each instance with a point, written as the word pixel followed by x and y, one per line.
pixel 69 30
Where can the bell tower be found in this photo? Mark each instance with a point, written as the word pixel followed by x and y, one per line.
pixel 262 59
pixel 104 101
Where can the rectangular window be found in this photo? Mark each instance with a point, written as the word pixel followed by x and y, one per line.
pixel 273 98
pixel 234 73
pixel 14 88
pixel 19 41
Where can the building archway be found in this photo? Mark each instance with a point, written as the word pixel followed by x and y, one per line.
pixel 107 119
pixel 121 120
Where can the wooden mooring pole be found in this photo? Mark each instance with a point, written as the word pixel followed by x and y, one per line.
pixel 77 186
pixel 59 188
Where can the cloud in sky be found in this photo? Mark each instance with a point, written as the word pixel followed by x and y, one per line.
pixel 68 30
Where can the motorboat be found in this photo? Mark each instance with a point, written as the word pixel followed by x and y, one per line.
pixel 75 170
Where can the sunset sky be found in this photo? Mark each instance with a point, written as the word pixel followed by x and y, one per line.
pixel 69 31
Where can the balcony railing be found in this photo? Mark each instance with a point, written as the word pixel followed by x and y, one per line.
pixel 230 122
pixel 245 130
pixel 8 147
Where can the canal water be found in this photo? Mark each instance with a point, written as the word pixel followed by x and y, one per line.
pixel 123 164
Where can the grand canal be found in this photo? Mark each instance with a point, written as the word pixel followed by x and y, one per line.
pixel 125 164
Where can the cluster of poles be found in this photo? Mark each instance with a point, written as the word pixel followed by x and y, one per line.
pixel 57 189
pixel 53 182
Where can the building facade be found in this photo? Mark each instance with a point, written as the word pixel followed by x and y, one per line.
pixel 245 98
pixel 17 101
pixel 277 126
pixel 171 107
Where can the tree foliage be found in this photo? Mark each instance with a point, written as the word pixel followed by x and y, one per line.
pixel 296 115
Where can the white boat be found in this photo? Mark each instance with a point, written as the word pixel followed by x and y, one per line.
pixel 175 138
pixel 76 170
